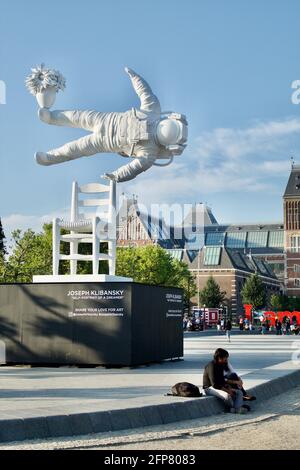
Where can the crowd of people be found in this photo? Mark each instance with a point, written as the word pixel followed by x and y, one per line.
pixel 288 326
pixel 193 323
pixel 196 324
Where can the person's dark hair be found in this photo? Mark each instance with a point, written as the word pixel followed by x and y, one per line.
pixel 220 354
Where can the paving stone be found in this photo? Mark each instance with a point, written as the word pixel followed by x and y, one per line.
pixel 152 415
pixel 101 421
pixel 167 413
pixel 119 420
pixel 136 417
pixel 12 430
pixel 81 424
pixel 59 426
pixel 36 428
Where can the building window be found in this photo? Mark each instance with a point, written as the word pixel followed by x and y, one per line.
pixel 257 239
pixel 236 239
pixel 276 239
pixel 175 254
pixel 297 268
pixel 212 255
pixel 278 268
pixel 194 241
pixel 295 244
pixel 215 239
pixel 297 282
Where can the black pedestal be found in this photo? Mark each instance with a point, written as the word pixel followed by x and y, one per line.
pixel 111 324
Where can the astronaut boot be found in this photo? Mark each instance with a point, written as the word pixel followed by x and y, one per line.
pixel 45 159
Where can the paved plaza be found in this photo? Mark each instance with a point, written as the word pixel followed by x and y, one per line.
pixel 29 392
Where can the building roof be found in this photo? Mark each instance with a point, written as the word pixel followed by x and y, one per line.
pixel 293 186
pixel 200 214
pixel 215 258
pixel 259 238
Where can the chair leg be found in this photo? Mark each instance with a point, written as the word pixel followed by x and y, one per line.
pixel 112 260
pixel 96 243
pixel 73 262
pixel 112 229
pixel 56 246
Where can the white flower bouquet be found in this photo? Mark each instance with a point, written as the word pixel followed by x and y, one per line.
pixel 44 83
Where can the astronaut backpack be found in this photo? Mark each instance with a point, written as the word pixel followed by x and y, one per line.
pixel 185 389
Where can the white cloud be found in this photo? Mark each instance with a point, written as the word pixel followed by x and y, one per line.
pixel 236 143
pixel 224 160
pixel 24 222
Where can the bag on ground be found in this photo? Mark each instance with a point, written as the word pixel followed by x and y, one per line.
pixel 185 389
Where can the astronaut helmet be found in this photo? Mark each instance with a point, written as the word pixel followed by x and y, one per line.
pixel 171 132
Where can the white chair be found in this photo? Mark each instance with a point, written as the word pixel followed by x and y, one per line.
pixel 87 227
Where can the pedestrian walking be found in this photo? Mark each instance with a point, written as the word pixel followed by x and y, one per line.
pixel 278 328
pixel 228 328
pixel 288 326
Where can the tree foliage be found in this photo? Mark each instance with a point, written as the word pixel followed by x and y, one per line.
pixel 211 295
pixel 31 254
pixel 153 265
pixel 254 292
pixel 281 303
pixel 2 238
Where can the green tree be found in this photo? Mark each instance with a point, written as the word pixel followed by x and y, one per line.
pixel 182 277
pixel 291 304
pixel 2 252
pixel 279 302
pixel 153 265
pixel 31 255
pixel 211 295
pixel 254 292
pixel 275 302
pixel 2 238
pixel 149 265
pixel 2 267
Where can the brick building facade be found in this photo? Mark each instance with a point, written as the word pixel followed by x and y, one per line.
pixel 291 211
pixel 270 250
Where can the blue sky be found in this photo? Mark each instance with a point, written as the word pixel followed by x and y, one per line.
pixel 227 64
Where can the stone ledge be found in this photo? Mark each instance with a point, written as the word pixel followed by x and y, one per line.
pixel 129 418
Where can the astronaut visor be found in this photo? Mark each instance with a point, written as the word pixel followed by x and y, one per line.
pixel 171 131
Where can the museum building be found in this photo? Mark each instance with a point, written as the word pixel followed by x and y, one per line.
pixel 229 252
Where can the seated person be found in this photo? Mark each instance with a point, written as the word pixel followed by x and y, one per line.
pixel 215 383
pixel 236 382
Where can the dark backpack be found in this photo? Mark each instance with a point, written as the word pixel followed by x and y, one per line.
pixel 185 389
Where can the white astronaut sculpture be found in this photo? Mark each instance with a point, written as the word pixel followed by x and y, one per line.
pixel 145 134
